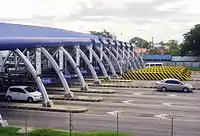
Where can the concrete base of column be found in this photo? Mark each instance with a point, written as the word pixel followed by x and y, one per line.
pixel 98 82
pixel 84 88
pixel 69 95
pixel 107 78
pixel 48 104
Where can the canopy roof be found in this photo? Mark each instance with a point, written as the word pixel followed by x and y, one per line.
pixel 14 36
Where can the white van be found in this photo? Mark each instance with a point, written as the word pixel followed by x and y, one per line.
pixel 153 64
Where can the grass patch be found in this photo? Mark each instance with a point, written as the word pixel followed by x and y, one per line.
pixel 50 132
pixel 9 131
pixel 12 131
pixel 194 69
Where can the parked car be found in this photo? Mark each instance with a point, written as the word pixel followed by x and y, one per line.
pixel 24 93
pixel 173 84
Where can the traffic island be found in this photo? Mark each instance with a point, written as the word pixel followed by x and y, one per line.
pixel 77 98
pixel 80 91
pixel 94 91
pixel 39 107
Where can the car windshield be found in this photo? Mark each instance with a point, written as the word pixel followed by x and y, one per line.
pixel 29 89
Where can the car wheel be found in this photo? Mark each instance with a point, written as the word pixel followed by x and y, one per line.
pixel 30 100
pixel 9 98
pixel 163 89
pixel 185 90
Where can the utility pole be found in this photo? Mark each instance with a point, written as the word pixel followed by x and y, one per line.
pixel 172 128
pixel 70 124
pixel 117 124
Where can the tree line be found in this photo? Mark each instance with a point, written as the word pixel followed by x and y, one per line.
pixel 189 46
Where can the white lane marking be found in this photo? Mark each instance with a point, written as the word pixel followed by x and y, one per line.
pixel 128 102
pixel 161 116
pixel 172 95
pixel 138 93
pixel 114 113
pixel 167 104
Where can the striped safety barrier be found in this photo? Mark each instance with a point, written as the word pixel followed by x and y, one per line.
pixel 159 73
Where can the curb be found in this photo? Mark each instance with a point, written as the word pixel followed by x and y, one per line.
pixel 125 81
pixel 99 92
pixel 43 108
pixel 81 91
pixel 76 99
pixel 127 86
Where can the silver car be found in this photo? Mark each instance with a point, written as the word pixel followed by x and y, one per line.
pixel 173 84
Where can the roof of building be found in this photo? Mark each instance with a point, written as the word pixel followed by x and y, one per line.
pixel 157 57
pixel 26 36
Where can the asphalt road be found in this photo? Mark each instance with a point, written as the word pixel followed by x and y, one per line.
pixel 141 111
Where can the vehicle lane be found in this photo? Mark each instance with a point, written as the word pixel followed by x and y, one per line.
pixel 88 122
pixel 138 117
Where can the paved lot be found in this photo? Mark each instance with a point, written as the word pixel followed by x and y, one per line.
pixel 141 108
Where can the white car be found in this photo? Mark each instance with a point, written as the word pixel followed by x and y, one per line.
pixel 173 84
pixel 24 93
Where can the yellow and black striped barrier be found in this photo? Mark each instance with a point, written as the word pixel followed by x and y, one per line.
pixel 159 73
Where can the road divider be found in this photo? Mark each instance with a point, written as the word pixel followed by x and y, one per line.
pixel 81 91
pixel 39 107
pixel 77 98
pixel 125 86
pixel 111 80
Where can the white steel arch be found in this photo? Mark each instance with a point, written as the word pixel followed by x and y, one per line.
pixel 89 64
pixel 46 101
pixel 76 68
pixel 107 60
pixel 129 63
pixel 99 61
pixel 59 72
pixel 115 59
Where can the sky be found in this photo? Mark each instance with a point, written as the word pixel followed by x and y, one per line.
pixel 161 19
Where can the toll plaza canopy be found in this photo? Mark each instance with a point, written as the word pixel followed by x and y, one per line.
pixel 14 36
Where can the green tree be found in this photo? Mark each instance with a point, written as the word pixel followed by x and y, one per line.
pixel 191 41
pixel 103 33
pixel 139 42
pixel 173 47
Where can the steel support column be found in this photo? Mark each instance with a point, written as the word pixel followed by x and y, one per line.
pixel 137 61
pixel 141 60
pixel 116 51
pixel 133 58
pixel 129 63
pixel 4 61
pixel 59 72
pixel 76 68
pixel 108 61
pixel 115 59
pixel 128 58
pixel 99 61
pixel 89 64
pixel 46 101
